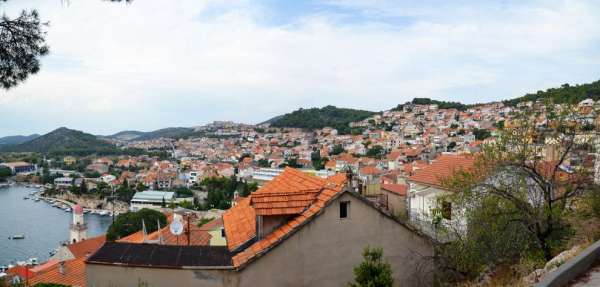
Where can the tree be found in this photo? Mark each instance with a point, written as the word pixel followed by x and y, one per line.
pixel 263 162
pixel 337 149
pixel 130 222
pixel 376 152
pixel 373 271
pixel 22 43
pixel 316 160
pixel 515 200
pixel 4 173
pixel 83 187
pixel 481 134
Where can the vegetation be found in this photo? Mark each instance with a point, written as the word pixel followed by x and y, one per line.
pixel 427 101
pixel 373 271
pixel 130 222
pixel 221 191
pixel 316 118
pixel 517 204
pixel 263 162
pixel 376 151
pixel 21 47
pixel 481 134
pixel 563 94
pixel 4 173
pixel 317 162
pixel 14 140
pixel 64 141
pixel 337 149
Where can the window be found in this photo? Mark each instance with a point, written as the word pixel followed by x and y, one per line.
pixel 447 210
pixel 344 208
pixel 223 232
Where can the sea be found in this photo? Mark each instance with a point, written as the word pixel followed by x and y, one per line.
pixel 43 225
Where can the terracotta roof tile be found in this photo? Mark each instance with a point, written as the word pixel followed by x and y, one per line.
pixel 73 275
pixel 240 224
pixel 329 188
pixel 442 167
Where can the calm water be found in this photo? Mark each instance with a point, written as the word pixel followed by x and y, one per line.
pixel 44 226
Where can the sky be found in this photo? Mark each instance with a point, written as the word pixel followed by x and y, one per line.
pixel 153 64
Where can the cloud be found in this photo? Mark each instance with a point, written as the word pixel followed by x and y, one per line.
pixel 148 65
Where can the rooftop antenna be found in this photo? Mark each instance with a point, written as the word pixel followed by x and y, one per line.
pixel 176 228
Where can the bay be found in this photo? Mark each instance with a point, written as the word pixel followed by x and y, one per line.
pixel 44 226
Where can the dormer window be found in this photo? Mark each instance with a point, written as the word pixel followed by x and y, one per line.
pixel 344 209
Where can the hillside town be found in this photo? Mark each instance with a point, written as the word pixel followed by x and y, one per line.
pixel 251 200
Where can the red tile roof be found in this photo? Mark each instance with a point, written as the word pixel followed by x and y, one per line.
pixel 370 170
pixel 442 167
pixel 291 193
pixel 73 275
pixel 87 247
pixel 333 186
pixel 399 189
pixel 287 194
pixel 240 223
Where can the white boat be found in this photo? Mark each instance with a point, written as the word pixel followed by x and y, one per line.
pixel 67 209
pixel 17 237
pixel 103 212
pixel 33 261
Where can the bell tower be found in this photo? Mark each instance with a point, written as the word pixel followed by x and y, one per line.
pixel 78 227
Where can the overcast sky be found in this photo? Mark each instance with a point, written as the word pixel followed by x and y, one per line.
pixel 149 65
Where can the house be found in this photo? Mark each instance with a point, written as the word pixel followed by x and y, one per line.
pixel 426 190
pixel 150 199
pixel 63 182
pixel 296 230
pixel 393 198
pixel 66 267
pixel 70 160
pixel 19 167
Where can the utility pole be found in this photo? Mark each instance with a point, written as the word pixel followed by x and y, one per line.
pixel 188 227
pixel 112 196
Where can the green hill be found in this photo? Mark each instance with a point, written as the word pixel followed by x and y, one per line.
pixel 316 118
pixel 563 94
pixel 64 141
pixel 14 140
pixel 174 133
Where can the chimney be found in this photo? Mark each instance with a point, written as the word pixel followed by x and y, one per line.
pixel 61 268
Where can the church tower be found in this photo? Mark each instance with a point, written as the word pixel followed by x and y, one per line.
pixel 78 227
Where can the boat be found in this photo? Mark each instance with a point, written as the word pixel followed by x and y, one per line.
pixel 67 209
pixel 103 212
pixel 33 261
pixel 25 197
pixel 17 237
pixel 36 199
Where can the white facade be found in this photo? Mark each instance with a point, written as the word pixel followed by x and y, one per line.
pixel 78 229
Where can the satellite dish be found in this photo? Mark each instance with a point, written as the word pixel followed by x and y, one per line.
pixel 176 227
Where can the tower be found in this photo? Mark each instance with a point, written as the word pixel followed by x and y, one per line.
pixel 78 228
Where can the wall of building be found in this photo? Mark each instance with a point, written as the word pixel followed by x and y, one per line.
pixel 396 203
pixel 326 250
pixel 322 253
pixel 115 276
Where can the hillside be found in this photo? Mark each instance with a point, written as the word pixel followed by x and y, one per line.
pixel 316 118
pixel 14 140
pixel 563 94
pixel 428 101
pixel 176 132
pixel 64 141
